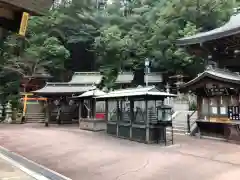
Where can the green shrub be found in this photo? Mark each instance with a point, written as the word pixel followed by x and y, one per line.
pixel 192 106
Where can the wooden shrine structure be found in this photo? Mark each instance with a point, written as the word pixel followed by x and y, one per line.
pixel 91 111
pixel 63 108
pixel 138 114
pixel 218 87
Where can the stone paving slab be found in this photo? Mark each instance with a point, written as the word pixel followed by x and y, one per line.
pixel 84 155
pixel 36 170
pixel 10 172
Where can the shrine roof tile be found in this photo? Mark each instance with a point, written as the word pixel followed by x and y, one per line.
pixel 232 27
pixel 124 77
pixel 91 93
pixel 140 91
pixel 86 78
pixel 63 88
pixel 217 74
pixel 154 77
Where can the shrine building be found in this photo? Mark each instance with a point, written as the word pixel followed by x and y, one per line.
pixel 218 87
pixel 60 94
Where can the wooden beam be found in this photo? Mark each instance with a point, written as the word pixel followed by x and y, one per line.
pixel 34 7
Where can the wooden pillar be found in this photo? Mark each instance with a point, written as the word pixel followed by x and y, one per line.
pixel 118 117
pixel 199 106
pixel 47 113
pixel 106 110
pixel 80 110
pixel 106 114
pixel 121 107
pixel 93 108
pixel 25 104
pixel 132 116
pixel 209 108
pixel 147 121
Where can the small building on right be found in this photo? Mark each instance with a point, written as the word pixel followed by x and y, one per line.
pixel 218 86
pixel 218 96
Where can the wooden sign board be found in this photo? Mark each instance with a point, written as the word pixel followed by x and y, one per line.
pixel 216 91
pixel 18 24
pixel 24 24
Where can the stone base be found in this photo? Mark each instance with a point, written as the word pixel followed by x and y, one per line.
pixel 92 124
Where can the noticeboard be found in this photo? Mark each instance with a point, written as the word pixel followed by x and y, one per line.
pixel 216 91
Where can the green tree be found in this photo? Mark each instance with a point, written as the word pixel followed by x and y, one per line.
pixel 149 30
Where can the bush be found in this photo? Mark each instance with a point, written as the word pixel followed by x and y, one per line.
pixel 192 106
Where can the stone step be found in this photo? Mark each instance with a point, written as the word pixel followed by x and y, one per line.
pixel 179 123
pixel 175 133
pixel 35 121
pixel 176 130
pixel 35 117
pixel 34 114
pixel 32 118
pixel 179 126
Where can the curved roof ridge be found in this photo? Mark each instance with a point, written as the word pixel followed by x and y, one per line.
pixel 226 71
pixel 217 74
pixel 231 27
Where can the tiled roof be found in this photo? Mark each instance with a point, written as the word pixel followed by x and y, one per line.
pixel 232 27
pixel 127 77
pixel 217 74
pixel 154 77
pixel 33 6
pixel 140 91
pixel 92 93
pixel 124 77
pixel 63 88
pixel 86 78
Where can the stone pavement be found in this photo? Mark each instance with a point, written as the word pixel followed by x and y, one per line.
pixel 84 155
pixel 10 172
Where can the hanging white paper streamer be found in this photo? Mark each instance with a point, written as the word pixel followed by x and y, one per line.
pixel 221 100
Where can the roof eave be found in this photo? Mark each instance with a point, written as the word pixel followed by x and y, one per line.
pixel 207 74
pixel 201 39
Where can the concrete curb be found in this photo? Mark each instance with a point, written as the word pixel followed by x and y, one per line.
pixel 22 168
pixel 30 167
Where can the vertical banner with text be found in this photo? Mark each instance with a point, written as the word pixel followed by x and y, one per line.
pixel 24 24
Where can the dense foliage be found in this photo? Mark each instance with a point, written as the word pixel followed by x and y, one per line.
pixel 120 35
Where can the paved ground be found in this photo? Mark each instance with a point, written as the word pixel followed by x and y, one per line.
pixel 86 155
pixel 10 172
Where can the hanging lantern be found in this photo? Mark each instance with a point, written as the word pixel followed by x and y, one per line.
pixel 222 100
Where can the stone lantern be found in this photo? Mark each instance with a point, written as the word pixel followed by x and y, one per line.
pixel 8 110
